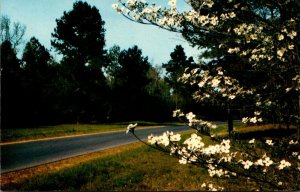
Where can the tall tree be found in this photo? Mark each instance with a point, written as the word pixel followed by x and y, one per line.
pixel 11 87
pixel 154 93
pixel 79 34
pixel 175 69
pixel 79 37
pixel 38 75
pixel 130 81
pixel 113 67
pixel 177 65
pixel 160 99
pixel 36 58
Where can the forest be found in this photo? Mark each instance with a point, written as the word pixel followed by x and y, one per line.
pixel 91 83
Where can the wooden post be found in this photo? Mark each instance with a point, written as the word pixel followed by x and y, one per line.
pixel 230 122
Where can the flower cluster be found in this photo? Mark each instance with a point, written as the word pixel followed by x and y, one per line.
pixel 264 161
pixel 214 83
pixel 284 164
pixel 194 143
pixel 192 147
pixel 164 139
pixel 223 160
pixel 195 123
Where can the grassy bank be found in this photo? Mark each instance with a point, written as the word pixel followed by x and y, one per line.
pixel 8 135
pixel 139 169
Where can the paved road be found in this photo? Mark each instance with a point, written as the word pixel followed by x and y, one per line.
pixel 23 155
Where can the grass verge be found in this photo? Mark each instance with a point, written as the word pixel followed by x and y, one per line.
pixel 14 179
pixel 130 167
pixel 137 167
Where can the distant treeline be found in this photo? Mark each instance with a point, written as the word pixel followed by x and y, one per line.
pixel 89 84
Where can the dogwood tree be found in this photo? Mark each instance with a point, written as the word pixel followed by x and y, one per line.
pixel 252 53
pixel 252 48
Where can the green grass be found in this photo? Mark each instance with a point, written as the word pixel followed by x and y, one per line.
pixel 223 128
pixel 242 131
pixel 68 129
pixel 140 169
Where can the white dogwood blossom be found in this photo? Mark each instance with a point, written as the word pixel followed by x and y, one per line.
pixel 164 139
pixel 269 142
pixel 284 164
pixel 131 127
pixel 292 142
pixel 252 141
pixel 267 161
pixel 247 164
pixel 194 143
pixel 175 137
pixel 177 113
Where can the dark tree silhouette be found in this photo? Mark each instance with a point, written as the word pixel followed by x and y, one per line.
pixel 38 76
pixel 175 69
pixel 129 81
pixel 176 66
pixel 11 88
pixel 80 34
pixel 79 37
pixel 160 103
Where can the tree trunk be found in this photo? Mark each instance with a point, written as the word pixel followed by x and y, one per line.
pixel 230 122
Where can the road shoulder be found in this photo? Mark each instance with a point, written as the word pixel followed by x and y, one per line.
pixel 17 177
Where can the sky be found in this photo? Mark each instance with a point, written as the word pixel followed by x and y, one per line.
pixel 39 18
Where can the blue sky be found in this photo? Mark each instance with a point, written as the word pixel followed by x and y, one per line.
pixel 39 18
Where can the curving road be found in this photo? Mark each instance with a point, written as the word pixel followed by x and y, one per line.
pixel 24 155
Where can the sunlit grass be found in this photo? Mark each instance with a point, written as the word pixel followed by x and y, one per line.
pixel 223 128
pixel 130 167
pixel 242 130
pixel 15 178
pixel 142 168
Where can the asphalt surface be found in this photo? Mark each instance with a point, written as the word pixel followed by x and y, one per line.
pixel 23 155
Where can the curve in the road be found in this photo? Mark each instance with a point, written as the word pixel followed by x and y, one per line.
pixel 24 155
